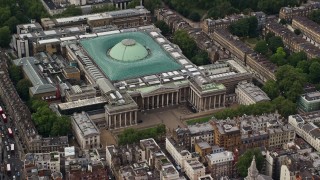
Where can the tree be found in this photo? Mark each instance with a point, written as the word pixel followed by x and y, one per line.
pixel 275 42
pixel 23 89
pixel 279 57
pixel 245 160
pixel 165 29
pixel 295 58
pixel 284 106
pixel 283 21
pixel 271 88
pixel 194 16
pixel 315 16
pixel 201 58
pixel 5 36
pixel 12 22
pixel 314 72
pixel 185 42
pixel 304 66
pixel 261 47
pixel 15 73
pixel 297 31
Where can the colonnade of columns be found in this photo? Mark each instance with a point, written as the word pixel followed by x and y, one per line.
pixel 208 102
pixel 122 119
pixel 121 5
pixel 160 100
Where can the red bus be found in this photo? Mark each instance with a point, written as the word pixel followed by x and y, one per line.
pixel 10 132
pixel 4 117
pixel 1 110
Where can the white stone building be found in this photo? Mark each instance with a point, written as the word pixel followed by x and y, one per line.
pixel 247 93
pixel 220 164
pixel 194 169
pixel 85 131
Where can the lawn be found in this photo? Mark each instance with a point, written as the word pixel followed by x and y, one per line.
pixel 199 120
pixel 251 42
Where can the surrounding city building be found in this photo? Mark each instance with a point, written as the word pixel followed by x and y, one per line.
pixel 35 163
pixel 259 65
pixel 247 93
pixel 310 30
pixel 306 128
pixel 288 13
pixel 85 131
pixel 292 41
pixel 253 173
pixel 194 169
pixel 309 102
pixel 220 164
pixel 210 25
pixel 202 131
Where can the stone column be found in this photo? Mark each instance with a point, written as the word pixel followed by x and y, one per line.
pixel 210 102
pixel 125 118
pixel 158 97
pixel 135 117
pixel 224 100
pixel 177 98
pixel 205 103
pixel 143 103
pixel 152 102
pixel 130 114
pixel 219 97
pixel 214 102
pixel 148 103
pixel 162 103
pixel 120 117
pixel 172 98
pixel 167 99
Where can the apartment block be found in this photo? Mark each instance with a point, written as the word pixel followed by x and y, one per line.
pixel 220 164
pixel 194 169
pixel 288 13
pixel 247 93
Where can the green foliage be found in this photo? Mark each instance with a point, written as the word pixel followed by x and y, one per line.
pixel 104 8
pixel 297 31
pixel 23 89
pixel 274 42
pixel 245 27
pixel 71 10
pixel 284 106
pixel 279 57
pixel 245 160
pixel 315 16
pixel 5 36
pixel 254 109
pixel 283 21
pixel 314 72
pixel 165 29
pixel 189 48
pixel 261 47
pixel 194 16
pixel 129 136
pixel 290 81
pixel 199 120
pixel 15 73
pixel 47 122
pixel 295 58
pixel 271 88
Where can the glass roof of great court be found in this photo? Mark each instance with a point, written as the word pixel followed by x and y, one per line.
pixel 123 56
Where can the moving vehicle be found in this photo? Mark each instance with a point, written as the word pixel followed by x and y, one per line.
pixel 10 132
pixel 4 118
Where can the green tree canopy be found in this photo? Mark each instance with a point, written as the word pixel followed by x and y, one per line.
pixel 23 89
pixel 275 42
pixel 5 36
pixel 185 42
pixel 245 160
pixel 261 47
pixel 245 27
pixel 279 57
pixel 295 58
pixel 271 88
pixel 165 29
pixel 297 31
pixel 314 72
pixel 315 16
pixel 15 73
pixel 194 16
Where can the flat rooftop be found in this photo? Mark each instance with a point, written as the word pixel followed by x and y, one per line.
pixel 85 124
pixel 157 61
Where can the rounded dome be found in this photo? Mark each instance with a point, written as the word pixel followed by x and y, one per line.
pixel 128 50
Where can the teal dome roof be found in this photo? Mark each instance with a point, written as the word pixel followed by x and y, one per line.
pixel 128 50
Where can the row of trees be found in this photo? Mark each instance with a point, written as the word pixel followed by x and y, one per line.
pixel 47 122
pixel 245 27
pixel 190 48
pixel 149 4
pixel 129 136
pixel 245 160
pixel 184 8
pixel 284 106
pixel 221 8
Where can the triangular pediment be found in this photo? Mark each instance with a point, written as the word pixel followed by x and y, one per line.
pixel 160 89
